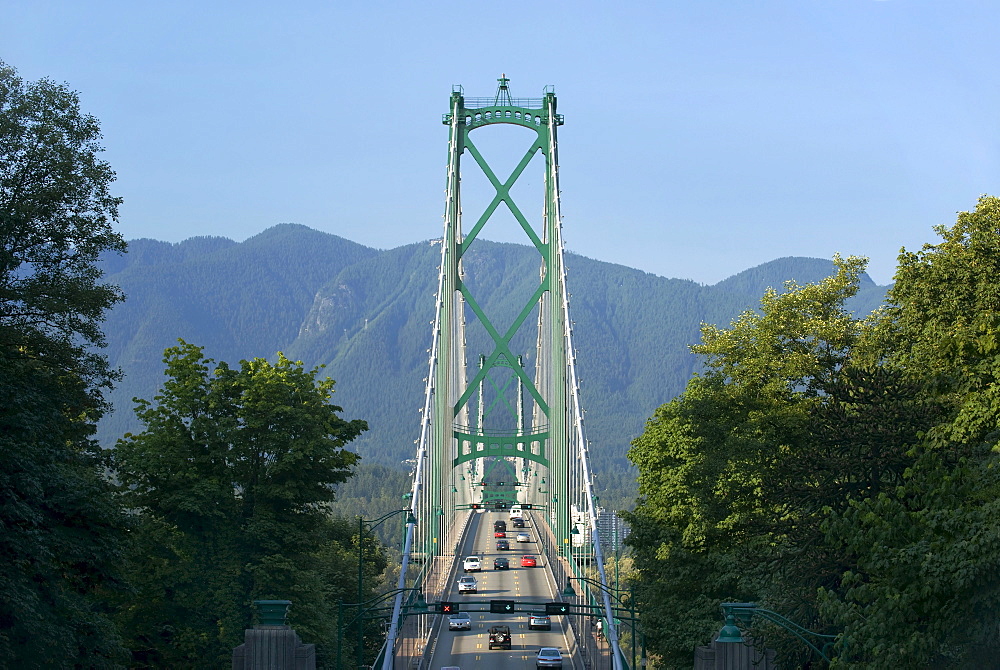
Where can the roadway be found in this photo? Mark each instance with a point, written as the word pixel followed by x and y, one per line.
pixel 470 649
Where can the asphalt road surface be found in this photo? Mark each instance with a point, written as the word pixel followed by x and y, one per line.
pixel 470 650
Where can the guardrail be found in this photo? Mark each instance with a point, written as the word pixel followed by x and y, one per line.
pixel 414 643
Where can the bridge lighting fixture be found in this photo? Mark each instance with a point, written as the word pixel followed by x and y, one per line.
pixel 730 633
pixel 420 606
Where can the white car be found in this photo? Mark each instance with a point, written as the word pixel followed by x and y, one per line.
pixel 467 585
pixel 472 564
pixel 523 537
pixel 459 621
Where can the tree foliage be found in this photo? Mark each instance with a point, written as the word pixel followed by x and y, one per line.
pixel 841 472
pixel 231 482
pixel 739 475
pixel 62 538
pixel 925 587
pixel 724 506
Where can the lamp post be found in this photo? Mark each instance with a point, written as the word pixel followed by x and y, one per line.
pixel 420 607
pixel 615 593
pixel 372 525
pixel 744 611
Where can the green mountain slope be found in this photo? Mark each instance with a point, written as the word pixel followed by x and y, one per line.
pixel 365 314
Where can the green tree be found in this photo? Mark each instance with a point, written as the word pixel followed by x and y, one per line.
pixel 62 534
pixel 790 421
pixel 925 586
pixel 231 481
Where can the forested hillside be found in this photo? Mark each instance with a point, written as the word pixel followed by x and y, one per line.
pixel 365 314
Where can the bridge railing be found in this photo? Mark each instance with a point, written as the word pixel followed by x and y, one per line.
pixel 411 643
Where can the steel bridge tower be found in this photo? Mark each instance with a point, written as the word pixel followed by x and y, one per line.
pixel 484 428
pixel 502 422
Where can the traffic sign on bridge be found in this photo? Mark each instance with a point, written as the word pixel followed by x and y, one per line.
pixel 502 606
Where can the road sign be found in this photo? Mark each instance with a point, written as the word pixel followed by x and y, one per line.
pixel 448 608
pixel 556 608
pixel 502 606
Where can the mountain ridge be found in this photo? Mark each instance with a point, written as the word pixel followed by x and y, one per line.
pixel 365 314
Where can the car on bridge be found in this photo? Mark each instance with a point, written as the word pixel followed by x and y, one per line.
pixel 528 562
pixel 500 524
pixel 472 564
pixel 523 537
pixel 499 533
pixel 503 545
pixel 548 657
pixel 501 564
pixel 459 621
pixel 467 585
pixel 518 522
pixel 539 621
pixel 500 637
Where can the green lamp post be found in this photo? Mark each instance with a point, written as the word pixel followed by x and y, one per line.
pixel 744 612
pixel 372 525
pixel 570 592
pixel 418 607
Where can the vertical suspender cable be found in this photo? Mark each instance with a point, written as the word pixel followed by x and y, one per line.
pixel 612 633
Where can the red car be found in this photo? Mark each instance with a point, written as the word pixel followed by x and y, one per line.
pixel 499 533
pixel 528 562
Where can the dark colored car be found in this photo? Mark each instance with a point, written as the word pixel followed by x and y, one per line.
pixel 501 564
pixel 500 637
pixel 500 524
pixel 518 523
pixel 503 545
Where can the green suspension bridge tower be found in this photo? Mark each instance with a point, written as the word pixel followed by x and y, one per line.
pixel 501 421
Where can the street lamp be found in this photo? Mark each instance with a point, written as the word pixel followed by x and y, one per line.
pixel 731 633
pixel 372 525
pixel 570 592
pixel 419 607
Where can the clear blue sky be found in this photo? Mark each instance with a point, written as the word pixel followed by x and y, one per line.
pixel 701 137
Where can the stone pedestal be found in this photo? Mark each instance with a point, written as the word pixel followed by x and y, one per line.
pixel 273 648
pixel 733 656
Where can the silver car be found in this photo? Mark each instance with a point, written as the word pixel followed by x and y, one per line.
pixel 459 621
pixel 548 657
pixel 467 585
